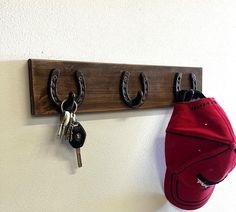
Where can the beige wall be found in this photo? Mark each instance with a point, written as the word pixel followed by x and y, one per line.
pixel 123 158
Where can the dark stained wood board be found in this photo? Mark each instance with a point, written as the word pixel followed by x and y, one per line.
pixel 103 84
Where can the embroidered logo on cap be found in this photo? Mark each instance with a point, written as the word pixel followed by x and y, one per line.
pixel 202 184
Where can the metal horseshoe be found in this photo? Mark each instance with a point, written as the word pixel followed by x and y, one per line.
pixel 186 95
pixel 141 95
pixel 53 91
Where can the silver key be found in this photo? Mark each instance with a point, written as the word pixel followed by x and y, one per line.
pixel 69 136
pixel 79 159
pixel 68 133
pixel 65 119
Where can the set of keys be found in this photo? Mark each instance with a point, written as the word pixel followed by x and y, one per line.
pixel 70 130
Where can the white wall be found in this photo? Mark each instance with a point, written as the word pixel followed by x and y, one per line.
pixel 123 159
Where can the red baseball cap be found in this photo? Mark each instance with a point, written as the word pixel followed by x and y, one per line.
pixel 200 151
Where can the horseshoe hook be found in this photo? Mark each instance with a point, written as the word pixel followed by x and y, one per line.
pixel 186 95
pixel 141 95
pixel 72 98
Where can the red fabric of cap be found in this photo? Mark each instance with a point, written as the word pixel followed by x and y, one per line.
pixel 200 151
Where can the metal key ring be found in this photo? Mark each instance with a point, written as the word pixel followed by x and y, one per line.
pixel 62 109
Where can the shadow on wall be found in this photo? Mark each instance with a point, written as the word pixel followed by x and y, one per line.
pixel 159 148
pixel 133 202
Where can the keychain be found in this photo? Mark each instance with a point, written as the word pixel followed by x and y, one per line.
pixel 70 130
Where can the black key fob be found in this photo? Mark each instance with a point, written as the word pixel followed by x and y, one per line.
pixel 78 136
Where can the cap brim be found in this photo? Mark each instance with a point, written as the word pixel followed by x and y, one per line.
pixel 184 196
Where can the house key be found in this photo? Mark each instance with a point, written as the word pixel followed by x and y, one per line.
pixel 77 140
pixel 65 119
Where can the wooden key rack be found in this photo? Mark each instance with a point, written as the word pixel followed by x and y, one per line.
pixel 101 87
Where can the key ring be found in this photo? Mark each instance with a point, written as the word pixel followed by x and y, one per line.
pixel 75 104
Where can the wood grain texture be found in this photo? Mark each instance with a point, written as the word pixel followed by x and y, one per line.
pixel 103 84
